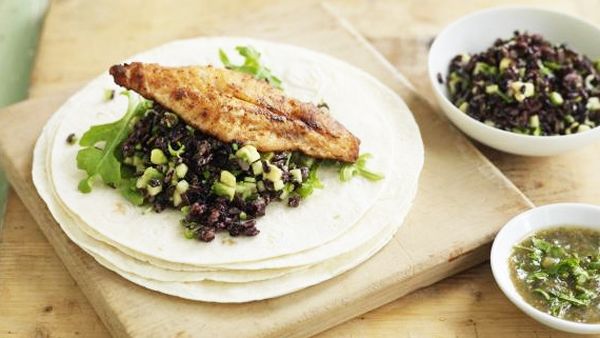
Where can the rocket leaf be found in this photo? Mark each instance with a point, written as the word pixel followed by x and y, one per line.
pixel 98 157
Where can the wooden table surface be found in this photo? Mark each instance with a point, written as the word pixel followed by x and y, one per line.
pixel 38 298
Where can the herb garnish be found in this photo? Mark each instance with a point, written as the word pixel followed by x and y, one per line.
pixel 251 65
pixel 565 274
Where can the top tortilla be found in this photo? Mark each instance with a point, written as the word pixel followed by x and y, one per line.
pixel 358 101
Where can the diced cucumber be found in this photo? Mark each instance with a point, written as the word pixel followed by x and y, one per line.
pixel 296 175
pixel 153 191
pixel 227 178
pixel 248 153
pixel 149 173
pixel 257 168
pixel 260 186
pixel 278 185
pixel 182 186
pixel 250 179
pixel 583 127
pixel 491 89
pixel 274 174
pixel 534 121
pixel 504 64
pixel 177 198
pixel 245 189
pixel 556 98
pixel 464 107
pixel 593 104
pixel 157 156
pixel 223 190
pixel 181 170
pixel 288 188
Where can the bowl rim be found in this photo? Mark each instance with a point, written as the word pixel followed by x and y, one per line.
pixel 468 119
pixel 499 262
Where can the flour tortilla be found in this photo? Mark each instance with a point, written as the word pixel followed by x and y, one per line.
pixel 117 258
pixel 246 292
pixel 356 99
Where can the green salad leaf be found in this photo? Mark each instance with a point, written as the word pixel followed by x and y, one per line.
pixel 99 157
pixel 251 65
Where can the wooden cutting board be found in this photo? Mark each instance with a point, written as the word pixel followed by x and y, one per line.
pixel 462 201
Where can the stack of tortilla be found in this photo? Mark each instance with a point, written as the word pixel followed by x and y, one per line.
pixel 334 230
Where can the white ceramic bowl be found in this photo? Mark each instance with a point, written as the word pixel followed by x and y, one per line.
pixel 477 32
pixel 524 225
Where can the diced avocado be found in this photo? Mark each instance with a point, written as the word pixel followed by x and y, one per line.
pixel 182 186
pixel 248 153
pixel 492 89
pixel 257 168
pixel 227 178
pixel 181 170
pixel 250 179
pixel 537 131
pixel 593 104
pixel 556 98
pixel 534 121
pixel 157 156
pixel 504 64
pixel 296 175
pixel 243 216
pixel 464 107
pixel 278 185
pixel 274 173
pixel 223 190
pixel 149 173
pixel 185 210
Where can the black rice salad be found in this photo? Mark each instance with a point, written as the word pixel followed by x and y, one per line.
pixel 527 85
pixel 217 186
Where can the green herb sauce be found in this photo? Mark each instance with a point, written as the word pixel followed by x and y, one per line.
pixel 558 272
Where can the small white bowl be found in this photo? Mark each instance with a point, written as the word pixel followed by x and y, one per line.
pixel 524 225
pixel 477 32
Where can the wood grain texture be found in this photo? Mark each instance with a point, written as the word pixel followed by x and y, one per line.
pixel 430 246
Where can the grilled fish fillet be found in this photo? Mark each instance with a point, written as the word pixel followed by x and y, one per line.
pixel 233 106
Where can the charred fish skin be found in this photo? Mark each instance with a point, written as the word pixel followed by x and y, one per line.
pixel 233 106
